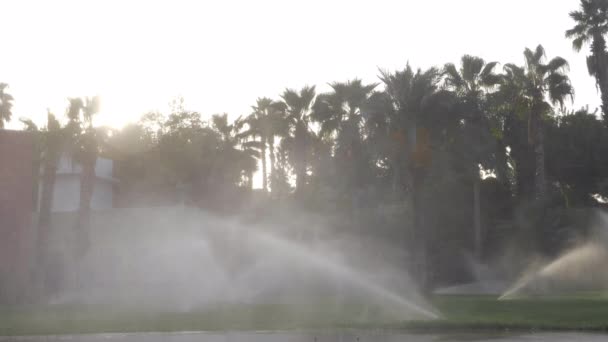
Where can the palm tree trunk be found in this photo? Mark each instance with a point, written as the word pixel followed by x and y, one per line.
pixel 83 221
pixel 264 173
pixel 604 91
pixel 477 234
pixel 44 218
pixel 597 64
pixel 540 186
pixel 419 240
pixel 602 81
pixel 300 162
pixel 272 161
pixel 501 162
pixel 418 243
pixel 396 179
pixel 250 181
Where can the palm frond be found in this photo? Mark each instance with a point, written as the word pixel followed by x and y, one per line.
pixel 558 64
pixel 471 67
pixel 560 88
pixel 452 76
pixel 30 126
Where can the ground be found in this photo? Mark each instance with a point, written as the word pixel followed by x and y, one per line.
pixel 460 313
pixel 574 312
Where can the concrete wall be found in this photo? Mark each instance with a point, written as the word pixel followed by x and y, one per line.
pixel 103 167
pixel 66 196
pixel 16 242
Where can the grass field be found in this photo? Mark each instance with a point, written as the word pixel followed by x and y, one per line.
pixel 461 313
pixel 574 312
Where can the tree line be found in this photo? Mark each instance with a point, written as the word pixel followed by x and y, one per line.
pixel 461 157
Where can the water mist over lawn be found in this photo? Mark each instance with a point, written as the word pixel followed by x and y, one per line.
pixel 582 268
pixel 181 259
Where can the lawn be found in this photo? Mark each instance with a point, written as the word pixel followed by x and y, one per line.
pixel 460 313
pixel 587 311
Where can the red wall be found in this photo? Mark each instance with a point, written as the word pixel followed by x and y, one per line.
pixel 16 181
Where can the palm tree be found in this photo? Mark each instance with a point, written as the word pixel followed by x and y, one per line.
pixel 237 152
pixel 277 127
pixel 541 82
pixel 298 108
pixel 52 146
pixel 6 105
pixel 508 110
pixel 266 122
pixel 257 122
pixel 86 152
pixel 413 96
pixel 340 114
pixel 591 27
pixel 471 83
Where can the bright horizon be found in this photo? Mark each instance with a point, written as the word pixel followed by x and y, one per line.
pixel 220 57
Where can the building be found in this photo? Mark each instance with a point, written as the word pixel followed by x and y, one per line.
pixel 66 195
pixel 16 205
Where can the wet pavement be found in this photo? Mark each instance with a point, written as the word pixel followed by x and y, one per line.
pixel 350 336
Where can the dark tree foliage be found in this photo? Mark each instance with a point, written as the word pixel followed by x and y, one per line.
pixel 465 159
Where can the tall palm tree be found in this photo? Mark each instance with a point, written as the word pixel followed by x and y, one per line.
pixel 298 108
pixel 591 26
pixel 544 85
pixel 237 152
pixel 413 94
pixel 508 109
pixel 86 153
pixel 266 122
pixel 340 114
pixel 53 141
pixel 257 122
pixel 277 127
pixel 6 105
pixel 471 82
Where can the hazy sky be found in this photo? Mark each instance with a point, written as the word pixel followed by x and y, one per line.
pixel 221 55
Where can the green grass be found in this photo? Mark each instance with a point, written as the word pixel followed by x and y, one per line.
pixel 585 311
pixel 460 313
pixel 67 320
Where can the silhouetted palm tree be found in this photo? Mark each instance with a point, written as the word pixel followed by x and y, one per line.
pixel 237 152
pixel 6 105
pixel 298 107
pixel 471 83
pixel 340 114
pixel 85 150
pixel 266 122
pixel 541 82
pixel 278 126
pixel 53 143
pixel 591 27
pixel 413 94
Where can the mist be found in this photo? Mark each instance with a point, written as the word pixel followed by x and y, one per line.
pixel 184 259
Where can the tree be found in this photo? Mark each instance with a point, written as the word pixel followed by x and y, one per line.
pixel 258 128
pixel 238 155
pixel 266 122
pixel 576 156
pixel 417 113
pixel 509 110
pixel 542 82
pixel 591 26
pixel 277 126
pixel 298 107
pixel 53 143
pixel 470 84
pixel 341 119
pixel 86 150
pixel 6 105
